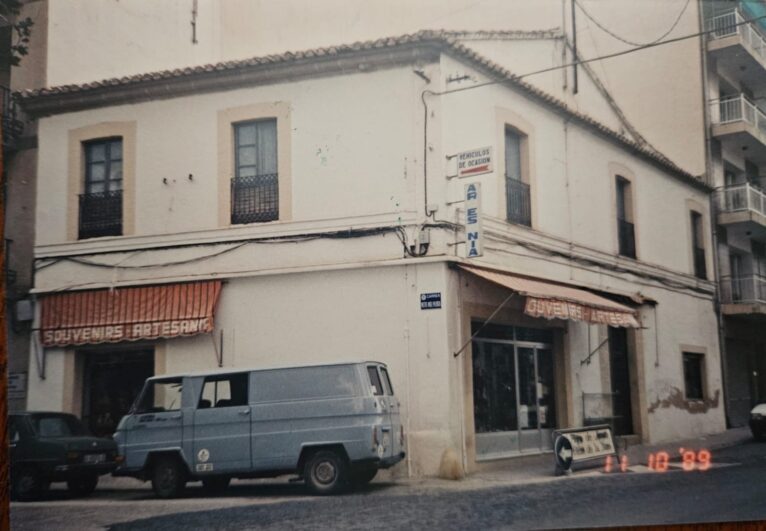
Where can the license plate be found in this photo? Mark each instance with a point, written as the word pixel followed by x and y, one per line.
pixel 94 458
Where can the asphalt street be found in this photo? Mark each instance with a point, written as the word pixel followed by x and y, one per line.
pixel 733 489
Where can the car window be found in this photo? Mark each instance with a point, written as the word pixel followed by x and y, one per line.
pixel 57 426
pixel 224 391
pixel 13 430
pixel 387 381
pixel 377 389
pixel 160 395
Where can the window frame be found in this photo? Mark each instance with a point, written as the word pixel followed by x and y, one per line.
pixel 520 182
pixel 88 146
pixel 699 357
pixel 623 193
pixel 260 189
pixel 697 221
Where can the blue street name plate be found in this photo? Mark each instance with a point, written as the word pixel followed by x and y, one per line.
pixel 430 301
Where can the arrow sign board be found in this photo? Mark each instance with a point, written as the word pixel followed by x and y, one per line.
pixel 582 444
pixel 474 162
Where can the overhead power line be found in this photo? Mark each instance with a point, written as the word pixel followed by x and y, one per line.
pixel 626 41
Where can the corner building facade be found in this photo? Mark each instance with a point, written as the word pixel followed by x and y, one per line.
pixel 299 208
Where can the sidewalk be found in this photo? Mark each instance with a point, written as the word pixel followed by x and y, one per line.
pixel 540 468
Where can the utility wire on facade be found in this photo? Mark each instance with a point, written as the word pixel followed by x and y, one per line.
pixel 626 41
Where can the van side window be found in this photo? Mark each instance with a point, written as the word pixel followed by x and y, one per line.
pixel 227 390
pixel 161 395
pixel 377 389
pixel 387 381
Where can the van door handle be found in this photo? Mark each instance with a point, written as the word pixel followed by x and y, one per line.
pixel 244 412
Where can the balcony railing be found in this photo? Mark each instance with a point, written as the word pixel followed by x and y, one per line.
pixel 12 124
pixel 519 209
pixel 626 236
pixel 255 199
pixel 100 214
pixel 737 109
pixel 746 290
pixel 741 197
pixel 700 266
pixel 725 25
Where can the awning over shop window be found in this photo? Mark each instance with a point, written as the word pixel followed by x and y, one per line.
pixel 556 301
pixel 128 314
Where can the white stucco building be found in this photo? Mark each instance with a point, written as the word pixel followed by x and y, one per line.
pixel 309 206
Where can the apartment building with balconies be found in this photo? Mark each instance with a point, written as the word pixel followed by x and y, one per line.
pixel 736 90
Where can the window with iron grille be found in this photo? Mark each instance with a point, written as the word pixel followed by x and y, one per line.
pixel 518 207
pixel 101 200
pixel 626 235
pixel 693 375
pixel 255 186
pixel 698 246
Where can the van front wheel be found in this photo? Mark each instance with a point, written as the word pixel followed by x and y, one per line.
pixel 168 478
pixel 326 472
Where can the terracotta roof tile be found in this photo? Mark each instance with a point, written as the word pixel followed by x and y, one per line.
pixel 449 41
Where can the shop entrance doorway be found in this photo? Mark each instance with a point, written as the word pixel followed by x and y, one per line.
pixel 619 368
pixel 111 381
pixel 513 391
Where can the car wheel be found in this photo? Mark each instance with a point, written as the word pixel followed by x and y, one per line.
pixel 83 485
pixel 27 485
pixel 363 475
pixel 326 472
pixel 168 477
pixel 215 485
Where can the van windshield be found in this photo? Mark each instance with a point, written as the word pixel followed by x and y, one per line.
pixel 377 389
pixel 387 381
pixel 160 395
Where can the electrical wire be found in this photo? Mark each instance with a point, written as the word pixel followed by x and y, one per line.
pixel 626 41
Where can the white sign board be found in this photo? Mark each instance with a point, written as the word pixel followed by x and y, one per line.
pixel 17 385
pixel 474 236
pixel 474 162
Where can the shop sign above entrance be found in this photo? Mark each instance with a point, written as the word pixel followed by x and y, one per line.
pixel 474 235
pixel 474 162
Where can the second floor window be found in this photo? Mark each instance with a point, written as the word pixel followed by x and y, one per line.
pixel 626 235
pixel 698 246
pixel 101 200
pixel 255 186
pixel 518 207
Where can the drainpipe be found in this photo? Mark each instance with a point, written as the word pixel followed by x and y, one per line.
pixel 713 223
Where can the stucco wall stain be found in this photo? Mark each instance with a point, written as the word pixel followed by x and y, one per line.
pixel 676 399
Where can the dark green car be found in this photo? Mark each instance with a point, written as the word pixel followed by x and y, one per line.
pixel 49 447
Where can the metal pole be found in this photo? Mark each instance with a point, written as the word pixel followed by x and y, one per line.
pixel 574 47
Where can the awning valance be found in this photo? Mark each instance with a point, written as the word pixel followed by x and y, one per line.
pixel 557 301
pixel 128 314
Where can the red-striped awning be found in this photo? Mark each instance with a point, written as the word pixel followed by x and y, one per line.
pixel 128 314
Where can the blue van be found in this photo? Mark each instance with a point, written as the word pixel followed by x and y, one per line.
pixel 332 425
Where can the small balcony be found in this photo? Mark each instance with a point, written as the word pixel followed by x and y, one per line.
pixel 742 206
pixel 254 199
pixel 739 121
pixel 13 126
pixel 518 203
pixel 740 46
pixel 743 295
pixel 626 238
pixel 100 214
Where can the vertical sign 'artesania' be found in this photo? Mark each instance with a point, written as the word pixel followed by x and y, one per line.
pixel 473 233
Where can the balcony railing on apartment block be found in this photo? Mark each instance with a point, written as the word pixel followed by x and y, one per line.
pixel 12 124
pixel 255 199
pixel 741 197
pixel 100 214
pixel 519 208
pixel 731 23
pixel 626 238
pixel 746 290
pixel 737 109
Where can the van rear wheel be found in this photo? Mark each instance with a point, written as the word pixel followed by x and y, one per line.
pixel 326 472
pixel 168 477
